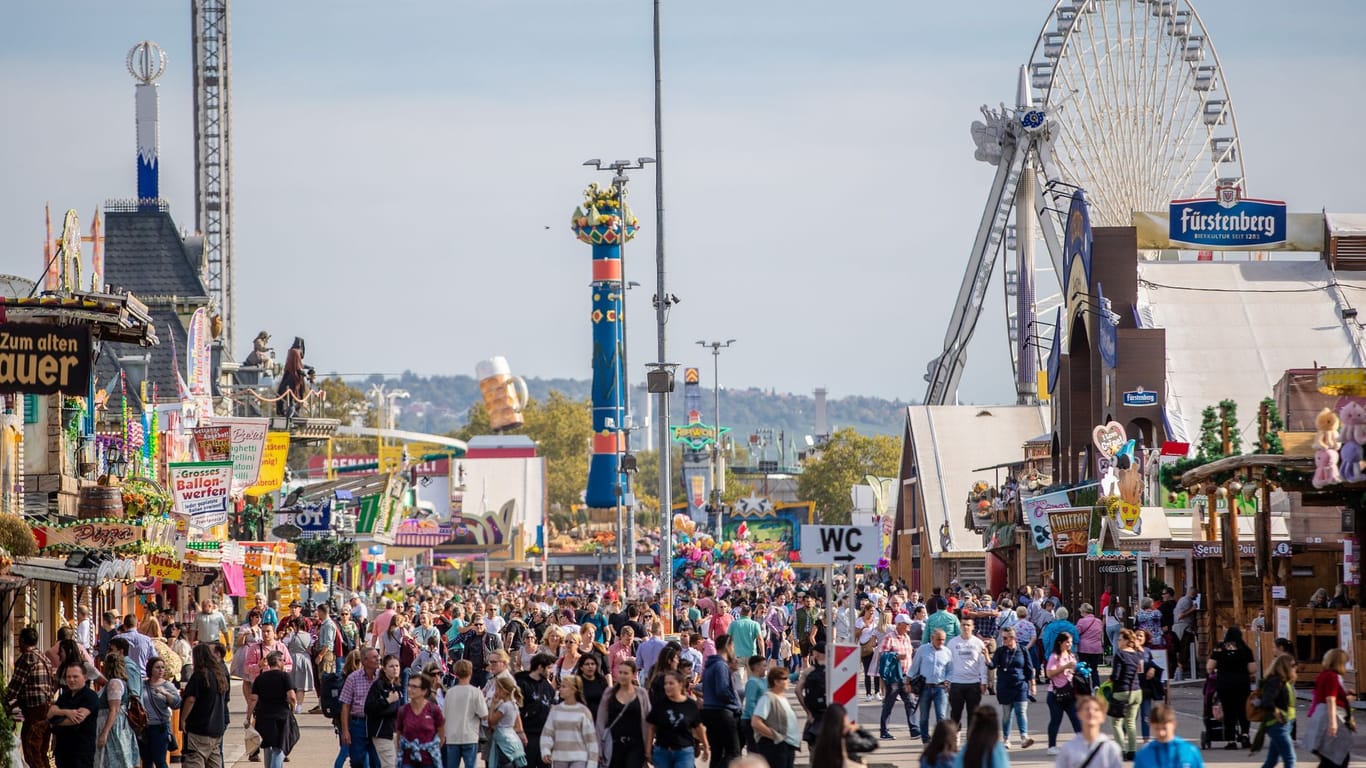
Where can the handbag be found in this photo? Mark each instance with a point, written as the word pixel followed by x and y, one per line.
pixel 1116 709
pixel 605 741
pixel 171 744
pixel 137 715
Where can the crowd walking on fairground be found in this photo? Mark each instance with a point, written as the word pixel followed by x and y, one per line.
pixel 581 675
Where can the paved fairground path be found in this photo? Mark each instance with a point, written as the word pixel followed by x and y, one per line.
pixel 317 746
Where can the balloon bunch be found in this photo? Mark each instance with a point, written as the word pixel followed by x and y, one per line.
pixel 698 557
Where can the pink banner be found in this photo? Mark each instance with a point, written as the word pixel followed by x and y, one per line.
pixel 236 581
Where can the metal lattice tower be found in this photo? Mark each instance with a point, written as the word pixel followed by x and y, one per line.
pixel 213 153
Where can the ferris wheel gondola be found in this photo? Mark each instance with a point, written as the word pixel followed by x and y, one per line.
pixel 1125 99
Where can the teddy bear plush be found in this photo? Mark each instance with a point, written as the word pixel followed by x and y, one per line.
pixel 1353 418
pixel 1326 457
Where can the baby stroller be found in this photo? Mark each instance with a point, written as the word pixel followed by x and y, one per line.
pixel 1212 719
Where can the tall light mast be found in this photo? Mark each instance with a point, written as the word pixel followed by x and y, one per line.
pixel 213 153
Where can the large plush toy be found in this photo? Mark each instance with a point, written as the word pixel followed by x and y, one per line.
pixel 1353 418
pixel 1326 449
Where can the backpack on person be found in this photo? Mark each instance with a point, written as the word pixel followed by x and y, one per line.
pixel 889 667
pixel 408 649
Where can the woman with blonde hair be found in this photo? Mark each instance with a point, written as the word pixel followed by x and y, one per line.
pixel 507 738
pixel 569 737
pixel 116 746
pixel 162 649
pixel 1328 733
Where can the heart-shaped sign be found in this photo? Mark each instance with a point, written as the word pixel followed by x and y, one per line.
pixel 1109 438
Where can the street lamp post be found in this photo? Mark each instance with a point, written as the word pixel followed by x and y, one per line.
pixel 626 527
pixel 717 474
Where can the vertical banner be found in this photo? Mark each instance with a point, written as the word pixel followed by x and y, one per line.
pixel 200 490
pixel 248 448
pixel 1346 639
pixel 272 473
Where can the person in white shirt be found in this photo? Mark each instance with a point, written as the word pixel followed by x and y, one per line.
pixel 967 673
pixel 465 707
pixel 85 629
pixel 1075 753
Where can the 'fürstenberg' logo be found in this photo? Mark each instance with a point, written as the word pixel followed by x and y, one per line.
pixel 1227 221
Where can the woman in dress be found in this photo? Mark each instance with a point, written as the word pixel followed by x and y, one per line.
pixel 621 719
pixel 420 728
pixel 273 698
pixel 159 698
pixel 674 727
pixel 1326 733
pixel 298 642
pixel 569 738
pixel 1059 669
pixel 594 683
pixel 1234 670
pixel 381 708
pixel 116 746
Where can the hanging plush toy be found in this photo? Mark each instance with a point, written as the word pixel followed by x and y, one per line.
pixel 1326 449
pixel 1353 418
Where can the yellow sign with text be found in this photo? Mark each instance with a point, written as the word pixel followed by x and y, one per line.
pixel 272 473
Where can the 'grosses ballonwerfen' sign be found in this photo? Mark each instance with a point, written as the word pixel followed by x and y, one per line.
pixel 44 359
pixel 1226 221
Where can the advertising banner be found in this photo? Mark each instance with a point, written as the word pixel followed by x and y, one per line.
pixel 39 359
pixel 201 490
pixel 272 472
pixel 315 517
pixel 1226 221
pixel 248 448
pixel 1036 509
pixel 1071 529
pixel 88 535
pixel 165 568
pixel 198 350
pixel 213 443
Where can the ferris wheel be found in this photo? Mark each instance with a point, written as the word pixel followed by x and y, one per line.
pixel 1124 99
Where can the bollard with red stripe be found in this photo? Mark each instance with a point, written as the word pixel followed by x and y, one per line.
pixel 844 671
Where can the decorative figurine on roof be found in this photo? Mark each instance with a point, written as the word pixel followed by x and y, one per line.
pixel 1353 418
pixel 294 380
pixel 262 354
pixel 1326 449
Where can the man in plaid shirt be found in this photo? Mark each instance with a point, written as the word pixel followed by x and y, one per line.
pixel 30 690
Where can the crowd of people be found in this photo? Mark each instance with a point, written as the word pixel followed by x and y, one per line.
pixel 580 674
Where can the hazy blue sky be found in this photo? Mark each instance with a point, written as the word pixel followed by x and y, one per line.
pixel 405 171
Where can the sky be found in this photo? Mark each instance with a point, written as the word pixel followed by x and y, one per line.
pixel 404 173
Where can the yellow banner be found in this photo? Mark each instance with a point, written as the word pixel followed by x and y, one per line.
pixel 272 474
pixel 163 568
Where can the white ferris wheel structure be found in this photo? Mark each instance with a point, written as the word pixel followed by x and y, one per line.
pixel 1124 99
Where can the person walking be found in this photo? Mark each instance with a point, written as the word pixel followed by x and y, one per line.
pixel 776 735
pixel 674 728
pixel 1091 642
pixel 1092 749
pixel 355 733
pixel 116 745
pixel 204 710
pixel 1167 749
pixel 1062 699
pixel 897 654
pixel 464 710
pixel 1234 670
pixel 273 698
pixel 621 720
pixel 720 703
pixel 1014 686
pixel 381 708
pixel 209 625
pixel 982 748
pixel 570 739
pixel 932 662
pixel 420 727
pixel 1326 733
pixel 507 735
pixel 967 673
pixel 1127 678
pixel 73 720
pixel 1278 701
pixel 159 698
pixel 30 690
pixel 299 643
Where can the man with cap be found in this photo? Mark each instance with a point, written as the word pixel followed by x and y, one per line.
pixel 898 642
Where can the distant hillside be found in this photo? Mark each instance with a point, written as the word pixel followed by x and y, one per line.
pixel 439 404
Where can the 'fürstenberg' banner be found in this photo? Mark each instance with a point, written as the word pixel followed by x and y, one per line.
pixel 39 359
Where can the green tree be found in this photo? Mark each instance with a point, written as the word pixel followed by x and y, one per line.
pixel 844 462
pixel 1211 444
pixel 1274 425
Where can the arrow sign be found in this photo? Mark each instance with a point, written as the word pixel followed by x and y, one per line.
pixel 831 544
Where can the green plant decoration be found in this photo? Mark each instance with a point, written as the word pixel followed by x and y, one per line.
pixel 17 537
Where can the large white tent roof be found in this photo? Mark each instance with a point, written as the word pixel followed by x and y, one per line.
pixel 950 442
pixel 1233 329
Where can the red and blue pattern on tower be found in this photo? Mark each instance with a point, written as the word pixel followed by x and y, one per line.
pixel 604 222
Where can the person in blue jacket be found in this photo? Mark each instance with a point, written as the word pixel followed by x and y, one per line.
pixel 721 704
pixel 1167 750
